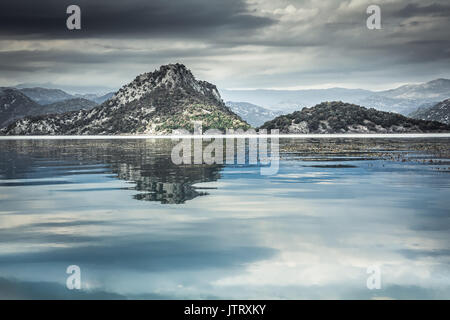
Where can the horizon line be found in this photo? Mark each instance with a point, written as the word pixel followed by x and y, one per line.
pixel 215 136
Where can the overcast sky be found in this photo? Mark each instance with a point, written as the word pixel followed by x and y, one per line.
pixel 231 43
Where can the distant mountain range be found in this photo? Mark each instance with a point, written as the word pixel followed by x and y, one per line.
pixel 154 103
pixel 433 90
pixel 291 100
pixel 403 100
pixel 340 117
pixel 16 104
pixel 408 98
pixel 253 114
pixel 82 89
pixel 96 97
pixel 45 96
pixel 438 112
pixel 171 98
pixel 60 107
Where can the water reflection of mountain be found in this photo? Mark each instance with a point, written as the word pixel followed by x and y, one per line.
pixel 145 163
pixel 164 182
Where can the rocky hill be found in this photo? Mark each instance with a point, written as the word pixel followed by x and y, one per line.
pixel 340 117
pixel 14 105
pixel 438 112
pixel 154 103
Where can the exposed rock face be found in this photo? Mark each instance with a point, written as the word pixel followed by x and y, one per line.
pixel 154 103
pixel 340 117
pixel 438 112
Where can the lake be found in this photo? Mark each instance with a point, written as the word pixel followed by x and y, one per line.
pixel 140 227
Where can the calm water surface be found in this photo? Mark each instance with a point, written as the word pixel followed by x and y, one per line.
pixel 141 227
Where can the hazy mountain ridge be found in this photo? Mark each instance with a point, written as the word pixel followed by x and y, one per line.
pixel 46 96
pixel 438 112
pixel 406 99
pixel 97 98
pixel 74 104
pixel 74 90
pixel 14 105
pixel 291 100
pixel 253 114
pixel 401 106
pixel 340 117
pixel 434 90
pixel 154 103
pixel 403 99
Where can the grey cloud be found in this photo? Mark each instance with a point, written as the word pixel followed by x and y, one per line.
pixel 414 10
pixel 135 18
pixel 235 44
pixel 35 60
pixel 416 253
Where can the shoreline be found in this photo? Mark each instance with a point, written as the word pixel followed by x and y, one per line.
pixel 200 136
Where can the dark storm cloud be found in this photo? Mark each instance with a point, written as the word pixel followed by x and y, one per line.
pixel 135 18
pixel 25 61
pixel 415 10
pixel 233 43
pixel 7 58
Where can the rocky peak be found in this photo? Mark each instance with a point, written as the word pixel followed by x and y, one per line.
pixel 169 77
pixel 175 75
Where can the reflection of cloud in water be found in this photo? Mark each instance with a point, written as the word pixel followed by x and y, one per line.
pixel 25 290
pixel 283 236
pixel 142 252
